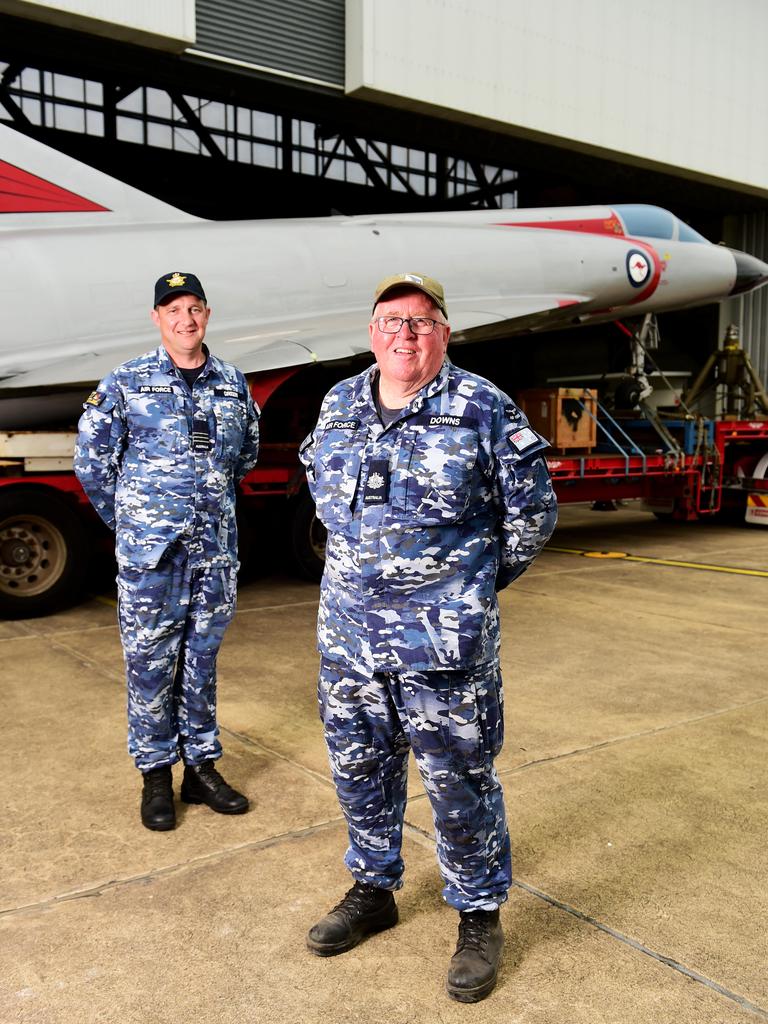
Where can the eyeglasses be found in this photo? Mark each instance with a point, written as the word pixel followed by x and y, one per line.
pixel 417 324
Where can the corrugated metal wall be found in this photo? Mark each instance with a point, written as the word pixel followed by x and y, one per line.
pixel 302 37
pixel 750 234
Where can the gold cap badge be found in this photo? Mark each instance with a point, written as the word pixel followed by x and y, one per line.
pixel 177 280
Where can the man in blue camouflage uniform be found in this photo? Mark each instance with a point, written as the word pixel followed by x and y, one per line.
pixel 163 442
pixel 435 495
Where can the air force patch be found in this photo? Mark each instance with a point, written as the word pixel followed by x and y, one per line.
pixel 95 398
pixel 341 425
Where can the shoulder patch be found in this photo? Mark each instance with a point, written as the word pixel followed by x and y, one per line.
pixel 95 398
pixel 523 439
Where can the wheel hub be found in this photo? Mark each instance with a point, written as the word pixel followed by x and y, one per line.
pixel 14 552
pixel 32 555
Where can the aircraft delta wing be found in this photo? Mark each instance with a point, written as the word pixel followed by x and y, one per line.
pixel 79 253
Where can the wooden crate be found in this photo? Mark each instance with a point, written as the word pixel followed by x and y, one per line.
pixel 557 413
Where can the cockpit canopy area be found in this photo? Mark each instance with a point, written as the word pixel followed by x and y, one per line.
pixel 653 222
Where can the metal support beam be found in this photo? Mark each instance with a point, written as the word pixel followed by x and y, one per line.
pixel 421 177
pixel 197 125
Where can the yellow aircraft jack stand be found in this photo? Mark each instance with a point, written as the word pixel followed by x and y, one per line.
pixel 732 369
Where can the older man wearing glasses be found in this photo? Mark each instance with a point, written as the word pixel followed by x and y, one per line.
pixel 435 495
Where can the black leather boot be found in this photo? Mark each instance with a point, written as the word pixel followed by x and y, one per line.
pixel 157 810
pixel 475 964
pixel 364 910
pixel 202 784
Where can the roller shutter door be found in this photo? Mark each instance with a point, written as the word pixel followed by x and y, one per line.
pixel 303 37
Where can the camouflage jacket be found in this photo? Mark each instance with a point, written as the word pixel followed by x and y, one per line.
pixel 426 520
pixel 160 461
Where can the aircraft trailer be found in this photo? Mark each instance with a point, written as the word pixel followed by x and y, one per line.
pixel 684 469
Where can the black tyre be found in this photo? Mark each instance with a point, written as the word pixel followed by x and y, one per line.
pixel 308 537
pixel 42 553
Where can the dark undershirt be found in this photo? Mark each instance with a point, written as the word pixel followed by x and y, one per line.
pixel 190 376
pixel 386 415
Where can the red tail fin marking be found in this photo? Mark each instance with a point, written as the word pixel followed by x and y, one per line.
pixel 22 192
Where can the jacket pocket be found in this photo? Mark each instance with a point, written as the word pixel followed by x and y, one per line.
pixel 337 462
pixel 434 474
pixel 157 422
pixel 230 426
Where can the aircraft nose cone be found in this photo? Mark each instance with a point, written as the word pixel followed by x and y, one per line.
pixel 750 272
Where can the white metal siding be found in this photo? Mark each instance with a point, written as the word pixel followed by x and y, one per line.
pixel 147 22
pixel 678 83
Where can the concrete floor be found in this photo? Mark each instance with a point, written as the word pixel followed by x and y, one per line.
pixel 634 771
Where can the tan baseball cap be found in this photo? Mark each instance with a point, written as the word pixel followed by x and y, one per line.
pixel 428 285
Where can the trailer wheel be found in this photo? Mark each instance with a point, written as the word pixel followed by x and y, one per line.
pixel 42 554
pixel 308 537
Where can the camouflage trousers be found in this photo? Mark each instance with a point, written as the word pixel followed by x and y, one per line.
pixel 453 722
pixel 172 621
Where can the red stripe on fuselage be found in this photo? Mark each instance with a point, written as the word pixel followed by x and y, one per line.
pixel 600 226
pixel 597 226
pixel 22 192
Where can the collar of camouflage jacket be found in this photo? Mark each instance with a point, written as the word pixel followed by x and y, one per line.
pixel 167 365
pixel 364 400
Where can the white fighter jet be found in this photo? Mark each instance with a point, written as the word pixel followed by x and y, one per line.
pixel 80 251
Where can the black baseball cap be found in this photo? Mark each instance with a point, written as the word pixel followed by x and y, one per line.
pixel 178 284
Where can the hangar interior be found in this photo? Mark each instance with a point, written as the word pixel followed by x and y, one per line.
pixel 636 702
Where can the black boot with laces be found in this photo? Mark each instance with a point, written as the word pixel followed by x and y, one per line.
pixel 475 964
pixel 364 910
pixel 202 784
pixel 157 810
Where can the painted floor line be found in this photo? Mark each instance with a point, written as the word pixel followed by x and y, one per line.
pixel 258 745
pixel 77 630
pixel 150 876
pixel 647 560
pixel 633 736
pixel 108 600
pixel 117 676
pixel 276 607
pixel 646 950
pixel 420 835
pixel 615 741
